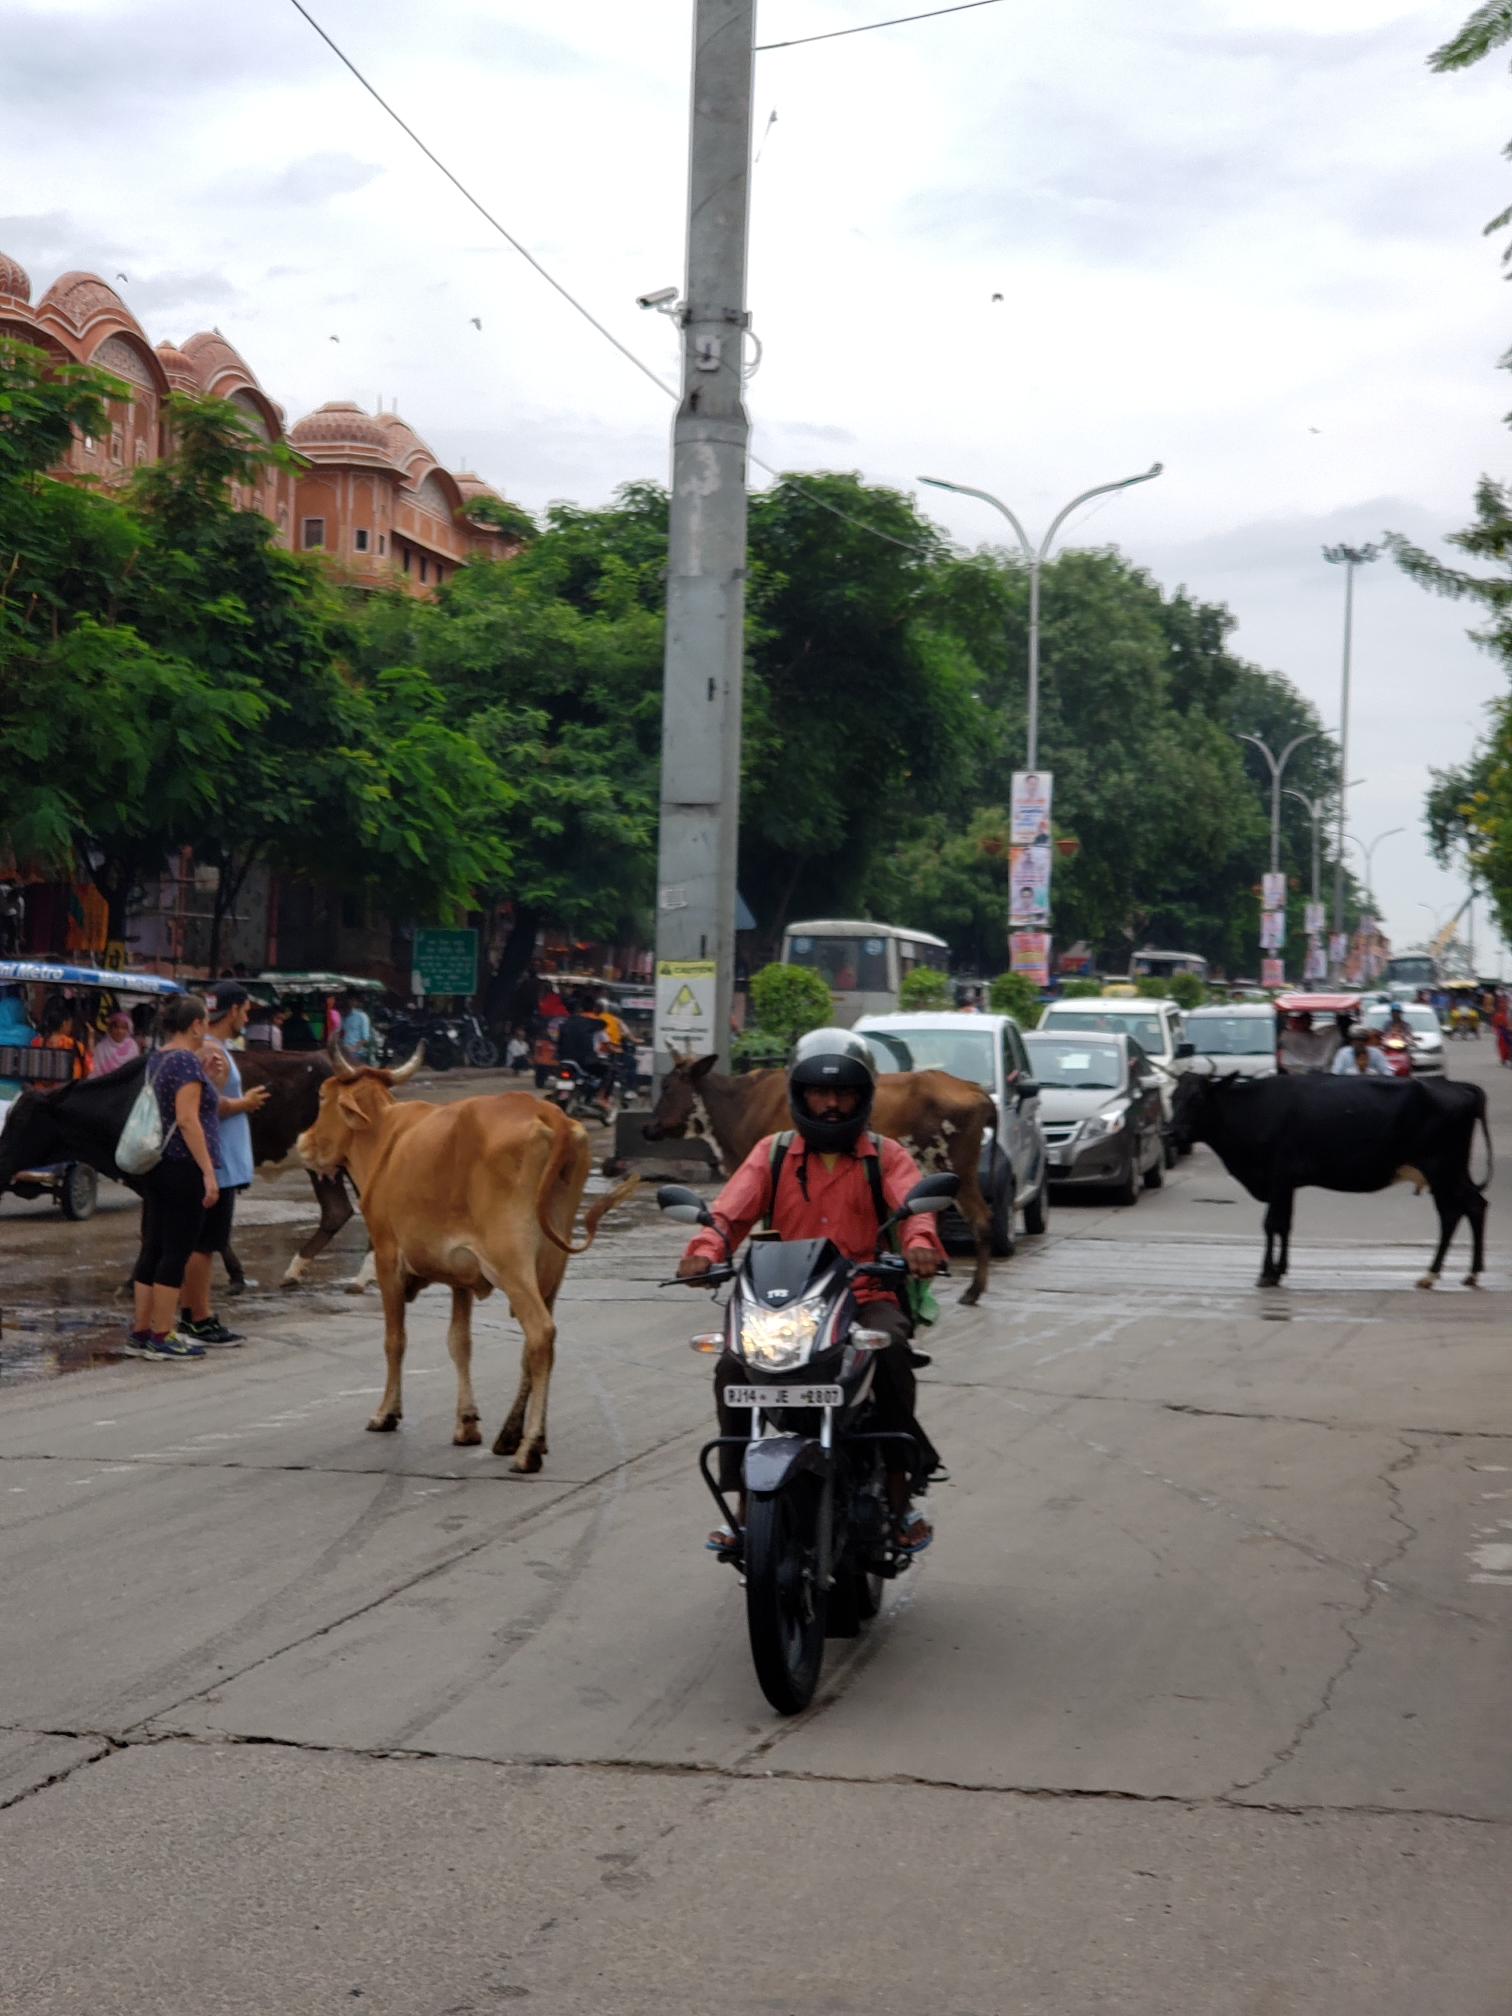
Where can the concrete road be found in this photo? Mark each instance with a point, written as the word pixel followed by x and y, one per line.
pixel 1197 1704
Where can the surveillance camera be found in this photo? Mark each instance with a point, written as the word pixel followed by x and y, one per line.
pixel 657 300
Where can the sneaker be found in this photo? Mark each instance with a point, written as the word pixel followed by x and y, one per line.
pixel 210 1331
pixel 171 1346
pixel 137 1342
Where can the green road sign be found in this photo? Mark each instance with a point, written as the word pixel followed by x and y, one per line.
pixel 446 962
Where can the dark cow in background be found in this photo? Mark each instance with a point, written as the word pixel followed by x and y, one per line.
pixel 81 1122
pixel 1280 1135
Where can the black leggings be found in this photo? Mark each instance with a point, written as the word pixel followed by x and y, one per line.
pixel 173 1209
pixel 215 1227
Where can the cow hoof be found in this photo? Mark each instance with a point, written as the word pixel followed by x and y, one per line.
pixel 290 1281
pixel 529 1460
pixel 468 1434
pixel 1472 1280
pixel 508 1442
pixel 356 1286
pixel 1269 1281
pixel 1428 1281
pixel 234 1288
pixel 972 1296
pixel 383 1424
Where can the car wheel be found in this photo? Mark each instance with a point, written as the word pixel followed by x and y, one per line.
pixel 1127 1192
pixel 1002 1217
pixel 1037 1210
pixel 1169 1150
pixel 1154 1176
pixel 77 1191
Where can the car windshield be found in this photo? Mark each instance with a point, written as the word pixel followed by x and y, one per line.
pixel 1075 1064
pixel 1231 1035
pixel 1421 1020
pixel 964 1053
pixel 849 965
pixel 1140 1023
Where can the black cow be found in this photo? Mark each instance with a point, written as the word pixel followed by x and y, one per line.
pixel 81 1122
pixel 1280 1135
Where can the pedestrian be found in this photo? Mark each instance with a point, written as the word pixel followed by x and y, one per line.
pixel 228 1005
pixel 262 1031
pixel 116 1047
pixel 332 1024
pixel 516 1050
pixel 1502 1024
pixel 182 1187
pixel 59 1032
pixel 357 1031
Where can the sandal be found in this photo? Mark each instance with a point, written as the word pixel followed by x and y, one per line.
pixel 723 1541
pixel 914 1533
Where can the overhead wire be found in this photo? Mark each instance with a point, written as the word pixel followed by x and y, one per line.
pixel 866 27
pixel 572 300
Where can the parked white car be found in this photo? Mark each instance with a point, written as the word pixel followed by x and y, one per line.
pixel 1237 1037
pixel 1155 1025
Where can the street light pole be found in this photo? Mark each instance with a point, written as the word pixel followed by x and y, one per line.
pixel 1036 559
pixel 1277 765
pixel 1369 853
pixel 1347 557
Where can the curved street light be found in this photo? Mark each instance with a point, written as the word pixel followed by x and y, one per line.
pixel 1036 559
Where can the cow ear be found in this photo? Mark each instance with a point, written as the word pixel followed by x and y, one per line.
pixel 701 1067
pixel 351 1112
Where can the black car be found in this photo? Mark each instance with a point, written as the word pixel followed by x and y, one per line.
pixel 1101 1112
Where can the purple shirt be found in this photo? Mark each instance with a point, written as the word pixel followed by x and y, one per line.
pixel 169 1070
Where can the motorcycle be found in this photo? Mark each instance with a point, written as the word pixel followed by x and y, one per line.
pixel 478 1047
pixel 819 1540
pixel 574 1091
pixel 1398 1056
pixel 403 1033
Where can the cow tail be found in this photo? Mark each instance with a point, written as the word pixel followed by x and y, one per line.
pixel 562 1146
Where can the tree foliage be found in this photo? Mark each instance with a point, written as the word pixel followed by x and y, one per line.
pixel 788 1001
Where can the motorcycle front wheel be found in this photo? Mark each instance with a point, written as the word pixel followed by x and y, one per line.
pixel 784 1603
pixel 482 1054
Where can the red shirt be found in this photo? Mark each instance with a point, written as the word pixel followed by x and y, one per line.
pixel 838 1206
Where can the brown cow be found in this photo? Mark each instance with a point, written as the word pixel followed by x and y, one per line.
pixel 479 1194
pixel 939 1119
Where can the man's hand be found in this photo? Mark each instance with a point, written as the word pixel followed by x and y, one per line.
pixel 923 1262
pixel 257 1098
pixel 692 1265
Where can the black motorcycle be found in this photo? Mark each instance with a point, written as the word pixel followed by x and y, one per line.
pixel 819 1539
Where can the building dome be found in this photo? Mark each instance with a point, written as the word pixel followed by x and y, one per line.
pixel 340 423
pixel 14 280
pixel 79 298
pixel 180 372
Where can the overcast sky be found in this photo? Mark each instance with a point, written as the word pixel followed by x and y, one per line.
pixel 1242 237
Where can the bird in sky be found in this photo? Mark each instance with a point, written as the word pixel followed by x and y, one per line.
pixel 1315 430
pixel 335 339
pixel 476 320
pixel 997 297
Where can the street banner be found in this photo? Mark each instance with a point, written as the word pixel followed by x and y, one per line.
pixel 1316 967
pixel 1029 885
pixel 1273 891
pixel 446 962
pixel 1312 918
pixel 1029 818
pixel 1273 930
pixel 1338 948
pixel 1272 972
pixel 1029 954
pixel 685 992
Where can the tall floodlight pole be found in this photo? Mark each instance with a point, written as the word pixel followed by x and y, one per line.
pixel 1316 807
pixel 1036 558
pixel 1277 766
pixel 1347 557
pixel 701 694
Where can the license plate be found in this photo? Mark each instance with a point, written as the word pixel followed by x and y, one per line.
pixel 784 1396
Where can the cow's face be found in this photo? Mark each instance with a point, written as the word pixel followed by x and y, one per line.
pixel 348 1107
pixel 24 1140
pixel 1189 1105
pixel 679 1093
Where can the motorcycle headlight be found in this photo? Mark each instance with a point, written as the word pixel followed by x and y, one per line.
pixel 1103 1124
pixel 776 1340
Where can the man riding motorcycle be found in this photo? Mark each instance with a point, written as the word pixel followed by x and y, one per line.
pixel 829 1178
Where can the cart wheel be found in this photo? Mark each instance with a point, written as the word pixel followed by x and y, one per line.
pixel 78 1191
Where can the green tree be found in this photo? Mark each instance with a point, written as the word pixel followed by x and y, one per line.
pixel 788 1001
pixel 1015 994
pixel 924 988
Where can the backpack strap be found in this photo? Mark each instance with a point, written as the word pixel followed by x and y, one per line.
pixel 873 1164
pixel 780 1146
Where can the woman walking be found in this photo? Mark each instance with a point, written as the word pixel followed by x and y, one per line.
pixel 182 1188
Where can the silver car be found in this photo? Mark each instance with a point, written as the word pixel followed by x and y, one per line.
pixel 1238 1038
pixel 1425 1047
pixel 1101 1112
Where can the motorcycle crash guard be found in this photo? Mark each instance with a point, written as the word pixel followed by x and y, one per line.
pixel 770 1463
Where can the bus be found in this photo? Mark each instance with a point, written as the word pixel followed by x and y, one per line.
pixel 861 962
pixel 1413 970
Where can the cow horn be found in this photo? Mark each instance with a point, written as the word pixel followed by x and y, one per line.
pixel 408 1069
pixel 341 1063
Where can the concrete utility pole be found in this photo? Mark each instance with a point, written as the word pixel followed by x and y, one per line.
pixel 1347 557
pixel 700 776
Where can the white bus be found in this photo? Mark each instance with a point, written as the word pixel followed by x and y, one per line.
pixel 862 963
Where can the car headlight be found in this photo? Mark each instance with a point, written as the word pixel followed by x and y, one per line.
pixel 778 1339
pixel 1103 1124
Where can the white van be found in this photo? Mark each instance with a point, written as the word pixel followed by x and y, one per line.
pixel 863 964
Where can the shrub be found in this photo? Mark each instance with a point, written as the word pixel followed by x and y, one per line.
pixel 788 1001
pixel 754 1050
pixel 1187 991
pixel 1013 994
pixel 925 988
pixel 1151 987
pixel 1080 990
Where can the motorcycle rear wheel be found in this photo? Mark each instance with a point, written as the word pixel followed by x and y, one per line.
pixel 482 1054
pixel 784 1603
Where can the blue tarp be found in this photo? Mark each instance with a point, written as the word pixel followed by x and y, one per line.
pixel 43 972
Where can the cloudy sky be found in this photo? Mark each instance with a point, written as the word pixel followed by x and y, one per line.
pixel 1242 237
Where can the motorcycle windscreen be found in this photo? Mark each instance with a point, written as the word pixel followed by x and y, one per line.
pixel 783 1271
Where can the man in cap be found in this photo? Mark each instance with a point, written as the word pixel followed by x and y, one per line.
pixel 229 1004
pixel 814 1183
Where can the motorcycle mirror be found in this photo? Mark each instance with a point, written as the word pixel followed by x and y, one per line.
pixel 932 1193
pixel 683 1204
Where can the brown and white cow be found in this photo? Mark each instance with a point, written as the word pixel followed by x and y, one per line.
pixel 941 1120
pixel 479 1194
